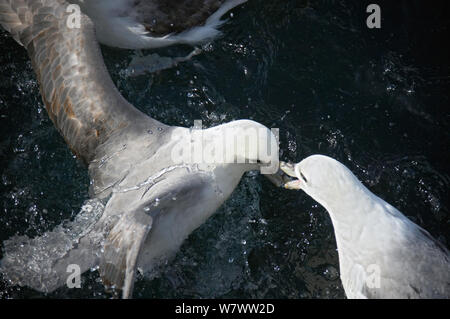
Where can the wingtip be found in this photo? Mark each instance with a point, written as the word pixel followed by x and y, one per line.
pixel 121 251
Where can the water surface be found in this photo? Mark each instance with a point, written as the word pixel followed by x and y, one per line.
pixel 376 100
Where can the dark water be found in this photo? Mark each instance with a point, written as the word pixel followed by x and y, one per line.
pixel 376 100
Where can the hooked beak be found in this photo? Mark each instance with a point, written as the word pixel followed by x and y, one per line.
pixel 289 169
pixel 279 179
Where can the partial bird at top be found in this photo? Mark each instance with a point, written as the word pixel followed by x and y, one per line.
pixel 148 24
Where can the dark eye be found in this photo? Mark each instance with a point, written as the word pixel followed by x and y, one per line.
pixel 303 176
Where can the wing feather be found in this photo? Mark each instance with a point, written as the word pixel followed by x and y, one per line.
pixel 76 88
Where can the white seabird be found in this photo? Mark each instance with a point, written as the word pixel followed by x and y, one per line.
pixel 148 24
pixel 153 197
pixel 382 254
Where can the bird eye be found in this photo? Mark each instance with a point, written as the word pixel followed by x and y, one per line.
pixel 304 178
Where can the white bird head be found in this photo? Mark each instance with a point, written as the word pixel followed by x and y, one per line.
pixel 321 177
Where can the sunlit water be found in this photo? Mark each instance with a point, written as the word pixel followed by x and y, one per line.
pixel 375 100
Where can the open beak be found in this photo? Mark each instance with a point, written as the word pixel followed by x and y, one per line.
pixel 279 179
pixel 288 168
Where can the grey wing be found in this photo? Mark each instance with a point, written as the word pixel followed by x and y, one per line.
pixel 126 239
pixel 77 91
pixel 42 262
pixel 121 250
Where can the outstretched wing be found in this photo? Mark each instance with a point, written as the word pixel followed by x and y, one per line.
pixel 126 239
pixel 78 93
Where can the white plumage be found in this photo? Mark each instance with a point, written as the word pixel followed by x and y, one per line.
pixel 382 254
pixel 122 23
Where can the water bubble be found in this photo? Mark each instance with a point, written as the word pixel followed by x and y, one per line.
pixel 94 268
pixel 390 88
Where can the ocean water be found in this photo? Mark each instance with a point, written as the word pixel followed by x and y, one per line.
pixel 376 100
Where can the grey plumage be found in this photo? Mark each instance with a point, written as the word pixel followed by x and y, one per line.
pixel 161 17
pixel 146 24
pixel 152 201
pixel 77 91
